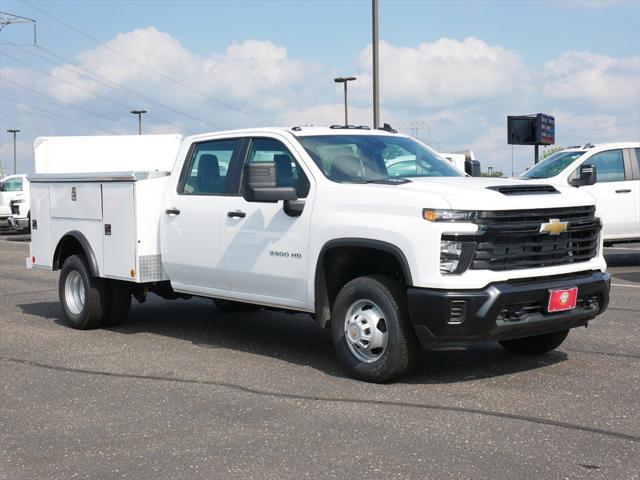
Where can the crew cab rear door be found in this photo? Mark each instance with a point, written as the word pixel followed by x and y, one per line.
pixel 194 216
pixel 615 192
pixel 266 250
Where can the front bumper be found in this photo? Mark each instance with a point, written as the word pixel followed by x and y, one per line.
pixel 17 223
pixel 504 310
pixel 4 222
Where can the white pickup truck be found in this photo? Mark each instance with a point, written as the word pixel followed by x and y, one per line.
pixel 617 186
pixel 14 203
pixel 310 220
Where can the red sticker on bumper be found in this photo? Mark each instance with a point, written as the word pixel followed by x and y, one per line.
pixel 560 300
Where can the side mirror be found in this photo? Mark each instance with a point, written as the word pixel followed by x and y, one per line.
pixel 260 182
pixel 587 176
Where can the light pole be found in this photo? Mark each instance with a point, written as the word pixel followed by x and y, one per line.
pixel 14 149
pixel 345 80
pixel 139 114
pixel 375 69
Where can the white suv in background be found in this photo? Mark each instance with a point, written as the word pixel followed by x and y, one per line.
pixel 14 203
pixel 617 187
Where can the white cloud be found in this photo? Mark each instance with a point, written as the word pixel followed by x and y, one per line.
pixel 598 80
pixel 446 73
pixel 455 93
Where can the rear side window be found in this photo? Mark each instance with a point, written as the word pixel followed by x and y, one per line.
pixel 609 166
pixel 289 173
pixel 208 169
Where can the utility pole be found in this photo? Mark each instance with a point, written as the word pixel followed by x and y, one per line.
pixel 15 170
pixel 139 114
pixel 10 19
pixel 345 80
pixel 376 70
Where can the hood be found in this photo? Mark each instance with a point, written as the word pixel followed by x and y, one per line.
pixel 480 193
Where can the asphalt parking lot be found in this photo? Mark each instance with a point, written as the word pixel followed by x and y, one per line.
pixel 183 391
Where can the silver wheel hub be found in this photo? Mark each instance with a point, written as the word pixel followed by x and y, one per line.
pixel 74 292
pixel 365 331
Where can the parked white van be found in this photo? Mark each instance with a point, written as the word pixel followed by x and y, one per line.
pixel 617 187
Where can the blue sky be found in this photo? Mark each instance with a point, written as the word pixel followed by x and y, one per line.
pixel 453 70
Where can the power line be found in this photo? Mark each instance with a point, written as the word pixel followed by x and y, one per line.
pixel 588 132
pixel 151 69
pixel 57 115
pixel 28 65
pixel 47 98
pixel 102 80
pixel 568 135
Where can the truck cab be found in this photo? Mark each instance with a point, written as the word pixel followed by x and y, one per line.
pixel 318 220
pixel 14 203
pixel 617 186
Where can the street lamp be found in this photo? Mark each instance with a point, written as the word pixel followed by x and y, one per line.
pixel 139 114
pixel 345 80
pixel 14 149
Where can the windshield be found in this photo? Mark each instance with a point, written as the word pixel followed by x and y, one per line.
pixel 374 158
pixel 552 165
pixel 11 185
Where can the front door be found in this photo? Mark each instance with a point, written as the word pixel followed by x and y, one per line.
pixel 614 194
pixel 265 249
pixel 194 216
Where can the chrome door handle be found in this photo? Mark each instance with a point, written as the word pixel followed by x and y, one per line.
pixel 237 213
pixel 172 211
pixel 623 191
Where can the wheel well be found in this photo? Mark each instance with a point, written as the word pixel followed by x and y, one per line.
pixel 340 264
pixel 75 243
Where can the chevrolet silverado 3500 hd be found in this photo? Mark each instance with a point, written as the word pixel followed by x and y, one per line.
pixel 310 220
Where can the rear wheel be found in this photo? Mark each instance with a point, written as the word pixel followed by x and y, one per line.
pixel 84 299
pixel 536 345
pixel 371 331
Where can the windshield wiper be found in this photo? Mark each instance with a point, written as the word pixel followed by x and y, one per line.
pixel 389 181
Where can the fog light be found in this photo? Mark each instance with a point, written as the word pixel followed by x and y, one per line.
pixel 449 255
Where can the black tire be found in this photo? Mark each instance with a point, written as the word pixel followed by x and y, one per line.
pixel 120 304
pixel 92 312
pixel 537 345
pixel 402 348
pixel 229 306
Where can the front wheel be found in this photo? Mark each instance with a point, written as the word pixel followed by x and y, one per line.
pixel 84 299
pixel 536 345
pixel 371 331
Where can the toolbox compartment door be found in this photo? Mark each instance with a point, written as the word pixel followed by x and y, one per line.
pixel 41 225
pixel 119 256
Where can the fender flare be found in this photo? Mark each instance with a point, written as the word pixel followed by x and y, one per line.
pixel 86 247
pixel 321 296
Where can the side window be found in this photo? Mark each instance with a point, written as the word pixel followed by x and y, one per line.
pixel 289 173
pixel 208 167
pixel 609 165
pixel 638 157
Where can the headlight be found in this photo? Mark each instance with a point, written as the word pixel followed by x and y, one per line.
pixel 435 215
pixel 455 256
pixel 449 255
pixel 17 200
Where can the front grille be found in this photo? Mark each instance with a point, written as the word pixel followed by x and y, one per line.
pixel 15 209
pixel 511 239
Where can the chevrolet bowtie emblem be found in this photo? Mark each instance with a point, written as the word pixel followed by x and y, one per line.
pixel 553 227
